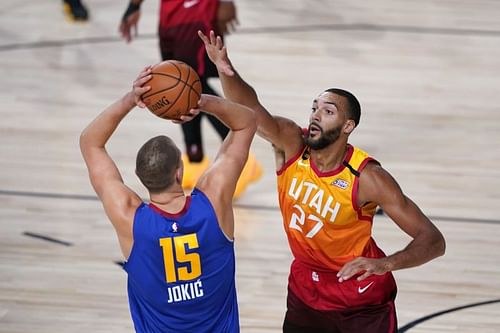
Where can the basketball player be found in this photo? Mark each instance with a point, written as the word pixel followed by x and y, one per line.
pixel 340 280
pixel 179 250
pixel 178 25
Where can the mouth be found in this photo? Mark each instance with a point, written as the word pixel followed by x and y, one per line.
pixel 314 130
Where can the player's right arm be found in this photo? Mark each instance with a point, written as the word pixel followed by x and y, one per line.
pixel 219 181
pixel 119 201
pixel 130 20
pixel 284 134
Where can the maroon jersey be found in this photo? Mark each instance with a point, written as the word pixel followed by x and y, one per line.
pixel 180 21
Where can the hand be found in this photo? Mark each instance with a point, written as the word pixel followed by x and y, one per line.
pixel 226 17
pixel 369 266
pixel 217 52
pixel 129 22
pixel 138 88
pixel 188 117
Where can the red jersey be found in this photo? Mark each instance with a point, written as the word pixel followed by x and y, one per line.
pixel 179 23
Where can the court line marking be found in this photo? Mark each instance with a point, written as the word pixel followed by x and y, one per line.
pixel 236 205
pixel 363 27
pixel 47 238
pixel 440 313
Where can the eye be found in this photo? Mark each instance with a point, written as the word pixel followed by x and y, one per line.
pixel 313 109
pixel 330 112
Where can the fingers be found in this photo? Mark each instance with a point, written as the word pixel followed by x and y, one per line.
pixel 125 32
pixel 203 37
pixel 364 275
pixel 350 269
pixel 139 87
pixel 188 117
pixel 212 37
pixel 218 42
pixel 364 267
pixel 135 27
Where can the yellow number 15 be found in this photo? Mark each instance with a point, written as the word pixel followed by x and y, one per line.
pixel 173 269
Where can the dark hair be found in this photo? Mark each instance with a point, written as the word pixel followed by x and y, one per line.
pixel 354 111
pixel 157 162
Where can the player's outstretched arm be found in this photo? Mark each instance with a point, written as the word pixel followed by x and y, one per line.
pixel 219 181
pixel 283 133
pixel 118 200
pixel 377 185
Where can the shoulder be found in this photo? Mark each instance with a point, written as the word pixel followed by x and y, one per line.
pixel 376 183
pixel 289 126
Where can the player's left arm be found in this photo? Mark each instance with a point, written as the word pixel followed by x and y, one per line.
pixel 378 186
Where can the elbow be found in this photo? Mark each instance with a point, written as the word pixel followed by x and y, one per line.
pixel 82 141
pixel 85 143
pixel 442 246
pixel 253 122
pixel 439 244
pixel 250 120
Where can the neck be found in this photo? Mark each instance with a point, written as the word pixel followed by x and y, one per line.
pixel 331 157
pixel 169 199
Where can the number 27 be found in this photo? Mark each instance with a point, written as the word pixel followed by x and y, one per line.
pixel 297 222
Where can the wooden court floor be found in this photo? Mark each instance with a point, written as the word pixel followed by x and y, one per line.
pixel 427 74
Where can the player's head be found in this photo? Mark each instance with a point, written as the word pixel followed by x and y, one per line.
pixel 353 106
pixel 335 114
pixel 158 164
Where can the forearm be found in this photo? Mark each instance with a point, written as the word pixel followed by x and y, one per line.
pixel 419 251
pixel 233 115
pixel 97 133
pixel 237 90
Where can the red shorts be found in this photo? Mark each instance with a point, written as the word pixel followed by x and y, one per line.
pixel 317 298
pixel 300 318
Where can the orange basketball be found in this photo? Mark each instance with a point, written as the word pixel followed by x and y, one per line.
pixel 175 89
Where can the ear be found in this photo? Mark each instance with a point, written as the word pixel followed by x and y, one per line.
pixel 178 175
pixel 349 126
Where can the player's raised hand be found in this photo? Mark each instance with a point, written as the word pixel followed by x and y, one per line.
pixel 217 52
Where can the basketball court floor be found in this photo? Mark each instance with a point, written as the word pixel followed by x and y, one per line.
pixel 427 74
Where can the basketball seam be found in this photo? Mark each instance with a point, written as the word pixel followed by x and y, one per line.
pixel 181 92
pixel 178 81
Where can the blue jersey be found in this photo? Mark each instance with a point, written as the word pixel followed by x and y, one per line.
pixel 181 271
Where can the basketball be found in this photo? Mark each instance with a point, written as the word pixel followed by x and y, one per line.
pixel 175 89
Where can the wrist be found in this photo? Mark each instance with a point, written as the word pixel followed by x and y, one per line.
pixel 128 101
pixel 133 6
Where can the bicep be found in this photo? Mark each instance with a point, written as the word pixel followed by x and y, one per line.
pixel 279 131
pixel 378 186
